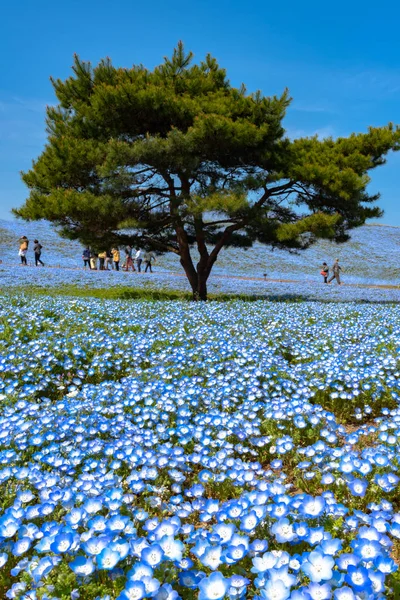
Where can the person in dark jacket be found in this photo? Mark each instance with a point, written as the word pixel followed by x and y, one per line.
pixel 37 248
pixel 86 257
pixel 149 259
pixel 325 272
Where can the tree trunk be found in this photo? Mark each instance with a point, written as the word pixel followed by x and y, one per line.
pixel 201 291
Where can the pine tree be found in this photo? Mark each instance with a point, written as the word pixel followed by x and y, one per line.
pixel 176 158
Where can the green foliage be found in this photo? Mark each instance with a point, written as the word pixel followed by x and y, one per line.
pixel 182 158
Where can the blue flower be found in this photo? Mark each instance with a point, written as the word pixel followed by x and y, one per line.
pixel 21 546
pixel 213 587
pixel 82 566
pixel 107 559
pixel 358 487
pixel 358 579
pixel 344 593
pixel 62 543
pixel 283 531
pixel 152 555
pixel 165 592
pixel 275 590
pixel 134 590
pixel 318 567
pixel 319 592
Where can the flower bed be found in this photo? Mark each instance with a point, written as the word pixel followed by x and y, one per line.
pixel 159 449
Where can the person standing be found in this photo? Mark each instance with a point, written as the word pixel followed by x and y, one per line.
pixel 93 260
pixel 86 257
pixel 129 259
pixel 116 257
pixel 139 259
pixel 23 249
pixel 149 258
pixel 37 248
pixel 325 272
pixel 102 258
pixel 108 261
pixel 336 272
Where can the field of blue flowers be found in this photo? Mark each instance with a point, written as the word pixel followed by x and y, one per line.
pixel 370 257
pixel 175 450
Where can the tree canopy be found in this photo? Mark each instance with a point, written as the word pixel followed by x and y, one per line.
pixel 176 157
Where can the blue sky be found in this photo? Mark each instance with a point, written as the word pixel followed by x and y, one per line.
pixel 339 60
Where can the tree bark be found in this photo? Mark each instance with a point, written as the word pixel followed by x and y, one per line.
pixel 201 292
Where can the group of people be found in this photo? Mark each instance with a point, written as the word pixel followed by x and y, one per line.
pixel 107 259
pixel 110 259
pixel 336 268
pixel 23 251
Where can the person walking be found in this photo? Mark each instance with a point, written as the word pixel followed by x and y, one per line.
pixel 149 258
pixel 23 249
pixel 325 272
pixel 102 258
pixel 37 248
pixel 139 259
pixel 116 258
pixel 336 272
pixel 129 259
pixel 86 257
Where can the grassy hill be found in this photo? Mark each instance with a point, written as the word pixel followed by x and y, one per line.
pixel 371 256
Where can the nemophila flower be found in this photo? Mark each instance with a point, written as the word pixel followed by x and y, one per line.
pixel 166 592
pixel 301 530
pixel 172 548
pixel 134 590
pixel 264 563
pixel 283 531
pixel 213 587
pixel 275 590
pixel 62 543
pixel 82 566
pixel 367 549
pixel 358 487
pixel 107 559
pixel 21 546
pixel 378 581
pixel 318 591
pixel 8 527
pixel 234 553
pixel 95 545
pixel 258 546
pixel 313 507
pixel 330 546
pixel 189 579
pixel 344 593
pixel 152 555
pixel 225 531
pixel 139 571
pixel 300 594
pixel 137 546
pixel 344 560
pixel 357 578
pixel 281 573
pixel 43 568
pixel 318 567
pixel 385 565
pixel 3 559
pixel 249 522
pixel 212 557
